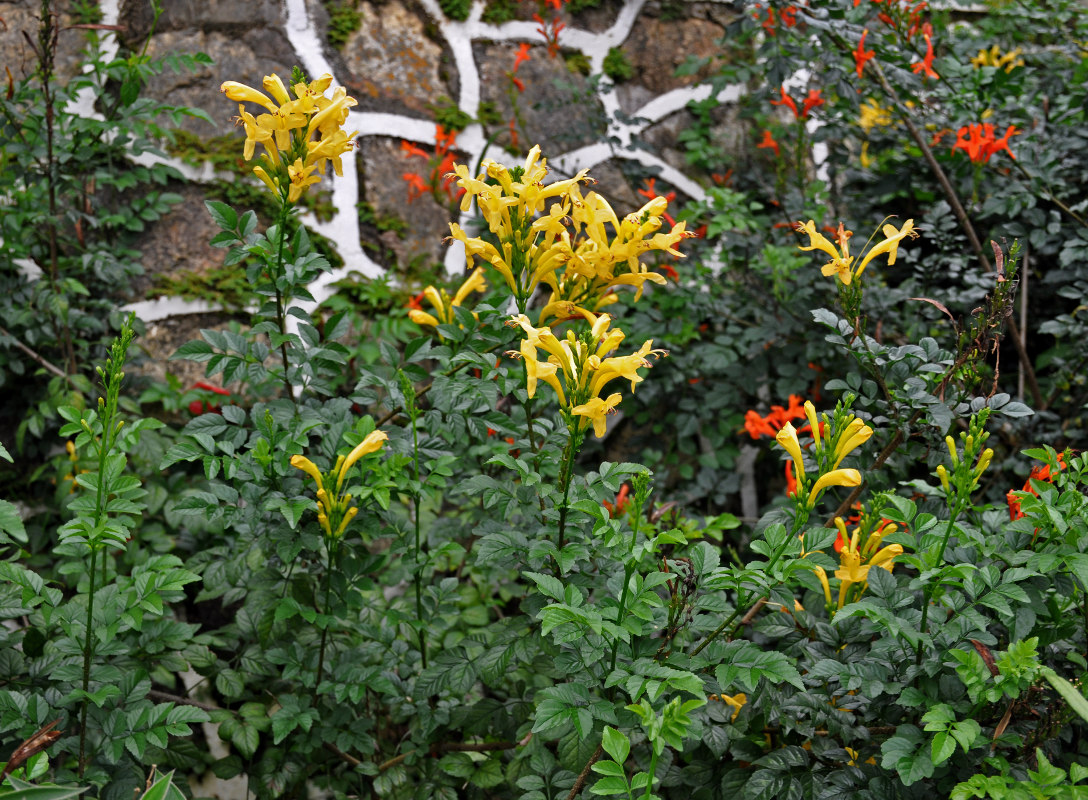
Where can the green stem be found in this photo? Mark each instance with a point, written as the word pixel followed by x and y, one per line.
pixel 744 600
pixel 628 571
pixel 418 577
pixel 281 311
pixel 88 654
pixel 652 771
pixel 325 612
pixel 564 482
pixel 927 591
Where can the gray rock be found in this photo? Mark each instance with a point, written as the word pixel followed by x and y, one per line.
pixel 393 64
pixel 381 167
pixel 557 110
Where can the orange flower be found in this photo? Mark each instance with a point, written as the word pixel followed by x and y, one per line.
pixel 812 101
pixel 417 187
pixel 861 55
pixel 979 143
pixel 410 150
pixel 521 55
pixel 622 499
pixel 925 66
pixel 786 100
pixel 518 83
pixel 769 143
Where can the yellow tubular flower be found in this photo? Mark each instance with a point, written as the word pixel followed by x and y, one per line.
pixel 787 440
pixel 596 409
pixel 983 462
pixel 349 515
pixel 855 435
pixel 814 423
pixel 821 573
pixel 942 474
pixel 837 477
pixel 850 572
pixel 736 702
pixel 890 245
pixel 841 259
pixel 241 93
pixel 951 443
pixel 307 466
pixel 422 318
pixel 885 558
pixel 372 443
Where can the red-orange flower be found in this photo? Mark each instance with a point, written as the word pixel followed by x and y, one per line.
pixel 769 143
pixel 521 55
pixel 925 66
pixel 410 150
pixel 812 101
pixel 861 55
pixel 786 100
pixel 622 499
pixel 979 143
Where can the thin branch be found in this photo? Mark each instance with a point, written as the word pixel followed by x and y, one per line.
pixel 166 697
pixel 455 747
pixel 578 784
pixel 47 365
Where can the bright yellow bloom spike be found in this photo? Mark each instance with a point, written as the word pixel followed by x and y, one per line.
pixel 294 159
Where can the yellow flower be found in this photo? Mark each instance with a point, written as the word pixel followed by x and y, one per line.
pixel 371 444
pixel 890 245
pixel 837 477
pixel 596 409
pixel 294 159
pixel 821 573
pixel 849 572
pixel 578 246
pixel 855 435
pixel 443 305
pixel 338 510
pixel 578 367
pixel 993 58
pixel 813 423
pixel 787 440
pixel 736 702
pixel 874 115
pixel 841 263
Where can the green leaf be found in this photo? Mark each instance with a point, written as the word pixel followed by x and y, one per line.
pixel 549 585
pixel 4 454
pixel 1068 691
pixel 10 521
pixel 615 744
pixel 225 216
pixel 943 747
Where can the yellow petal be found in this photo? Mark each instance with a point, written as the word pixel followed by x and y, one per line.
pixel 837 477
pixel 372 443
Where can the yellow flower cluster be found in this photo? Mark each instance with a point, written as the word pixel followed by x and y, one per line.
pixel 842 263
pixel 994 58
pixel 829 450
pixel 855 562
pixel 874 115
pixel 578 367
pixel 579 248
pixel 443 305
pixel 335 511
pixel 301 136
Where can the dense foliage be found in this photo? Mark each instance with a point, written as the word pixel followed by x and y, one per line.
pixel 433 562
